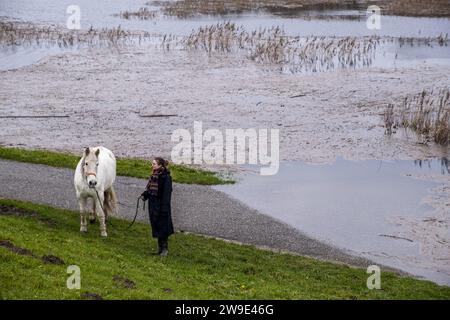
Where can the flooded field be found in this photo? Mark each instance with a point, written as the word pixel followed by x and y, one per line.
pixel 382 210
pixel 414 42
pixel 345 23
pixel 319 75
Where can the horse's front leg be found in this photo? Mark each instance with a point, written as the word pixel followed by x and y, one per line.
pixel 92 214
pixel 99 200
pixel 83 214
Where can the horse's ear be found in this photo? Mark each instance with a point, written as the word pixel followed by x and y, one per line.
pixel 97 152
pixel 86 151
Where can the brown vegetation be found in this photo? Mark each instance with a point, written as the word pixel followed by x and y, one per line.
pixel 427 114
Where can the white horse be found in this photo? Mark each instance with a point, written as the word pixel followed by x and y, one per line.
pixel 94 178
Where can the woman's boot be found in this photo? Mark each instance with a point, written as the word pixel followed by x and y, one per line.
pixel 164 247
pixel 160 245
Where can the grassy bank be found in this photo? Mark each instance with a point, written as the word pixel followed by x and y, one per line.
pixel 137 168
pixel 35 238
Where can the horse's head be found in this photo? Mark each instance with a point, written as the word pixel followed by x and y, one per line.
pixel 90 165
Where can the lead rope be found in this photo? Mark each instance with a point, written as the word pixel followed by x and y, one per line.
pixel 137 210
pixel 135 215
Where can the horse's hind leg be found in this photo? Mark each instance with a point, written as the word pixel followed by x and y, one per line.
pixel 100 213
pixel 83 214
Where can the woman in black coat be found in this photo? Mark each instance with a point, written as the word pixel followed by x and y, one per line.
pixel 158 193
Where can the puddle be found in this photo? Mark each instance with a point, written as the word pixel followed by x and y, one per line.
pixel 370 207
pixel 22 56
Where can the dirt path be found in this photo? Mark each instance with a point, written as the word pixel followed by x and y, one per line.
pixel 198 209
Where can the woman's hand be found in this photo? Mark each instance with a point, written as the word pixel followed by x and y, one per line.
pixel 144 195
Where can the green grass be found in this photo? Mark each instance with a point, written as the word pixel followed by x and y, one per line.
pixel 196 268
pixel 137 168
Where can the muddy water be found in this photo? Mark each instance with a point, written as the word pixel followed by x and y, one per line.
pixel 382 210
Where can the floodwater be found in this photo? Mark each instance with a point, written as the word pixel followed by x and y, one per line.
pixel 342 23
pixel 21 56
pixel 101 13
pixel 381 210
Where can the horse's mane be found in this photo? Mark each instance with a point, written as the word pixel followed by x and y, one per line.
pixel 81 167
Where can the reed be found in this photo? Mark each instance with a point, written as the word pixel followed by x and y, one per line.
pixel 27 34
pixel 419 8
pixel 190 8
pixel 427 114
pixel 143 13
pixel 272 45
pixel 296 54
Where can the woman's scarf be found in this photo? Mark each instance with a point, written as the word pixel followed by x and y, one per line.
pixel 153 182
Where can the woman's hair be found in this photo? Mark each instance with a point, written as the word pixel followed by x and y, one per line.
pixel 161 162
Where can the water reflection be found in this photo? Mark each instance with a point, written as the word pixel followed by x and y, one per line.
pixel 444 162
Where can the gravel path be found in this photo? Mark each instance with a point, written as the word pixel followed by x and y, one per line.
pixel 198 209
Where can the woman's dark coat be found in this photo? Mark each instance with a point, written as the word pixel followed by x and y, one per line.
pixel 159 208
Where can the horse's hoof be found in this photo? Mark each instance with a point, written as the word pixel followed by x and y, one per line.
pixel 104 234
pixel 83 229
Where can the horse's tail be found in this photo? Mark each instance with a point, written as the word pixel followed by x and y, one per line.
pixel 111 203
